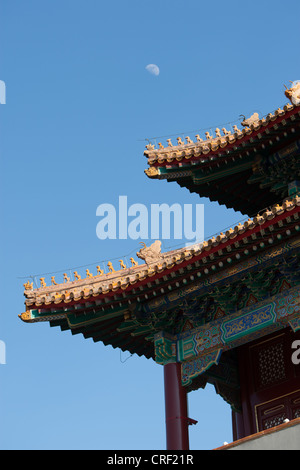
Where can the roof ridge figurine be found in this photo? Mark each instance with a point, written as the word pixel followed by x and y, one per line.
pixel 293 93
pixel 150 254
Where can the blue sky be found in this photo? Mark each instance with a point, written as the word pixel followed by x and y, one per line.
pixel 79 106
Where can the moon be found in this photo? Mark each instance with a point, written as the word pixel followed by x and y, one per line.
pixel 153 69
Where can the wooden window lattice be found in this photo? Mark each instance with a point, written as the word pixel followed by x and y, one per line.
pixel 271 365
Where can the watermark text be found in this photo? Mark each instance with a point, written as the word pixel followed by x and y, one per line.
pixel 162 221
pixel 2 352
pixel 296 354
pixel 2 92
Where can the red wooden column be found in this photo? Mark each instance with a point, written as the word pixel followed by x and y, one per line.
pixel 177 420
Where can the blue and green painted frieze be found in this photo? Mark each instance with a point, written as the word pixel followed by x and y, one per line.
pixel 199 348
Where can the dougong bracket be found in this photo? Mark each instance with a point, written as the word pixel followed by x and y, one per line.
pixel 165 348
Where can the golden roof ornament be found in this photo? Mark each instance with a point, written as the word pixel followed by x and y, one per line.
pixel 122 264
pixel 150 147
pixel 110 267
pixel 150 253
pixel 28 285
pixel 152 171
pixel 250 120
pixel 100 271
pixel 25 316
pixel 133 262
pixel 293 93
pixel 225 131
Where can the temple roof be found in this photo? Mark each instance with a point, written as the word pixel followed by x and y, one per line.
pixel 113 307
pixel 180 291
pixel 124 280
pixel 246 168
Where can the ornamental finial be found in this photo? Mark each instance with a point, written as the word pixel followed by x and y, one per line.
pixel 100 271
pixel 122 264
pixel 110 267
pixel 293 93
pixel 28 285
pixel 133 262
pixel 250 120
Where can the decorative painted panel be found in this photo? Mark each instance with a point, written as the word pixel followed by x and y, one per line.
pixel 244 326
pixel 198 349
pixel 192 369
pixel 247 323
